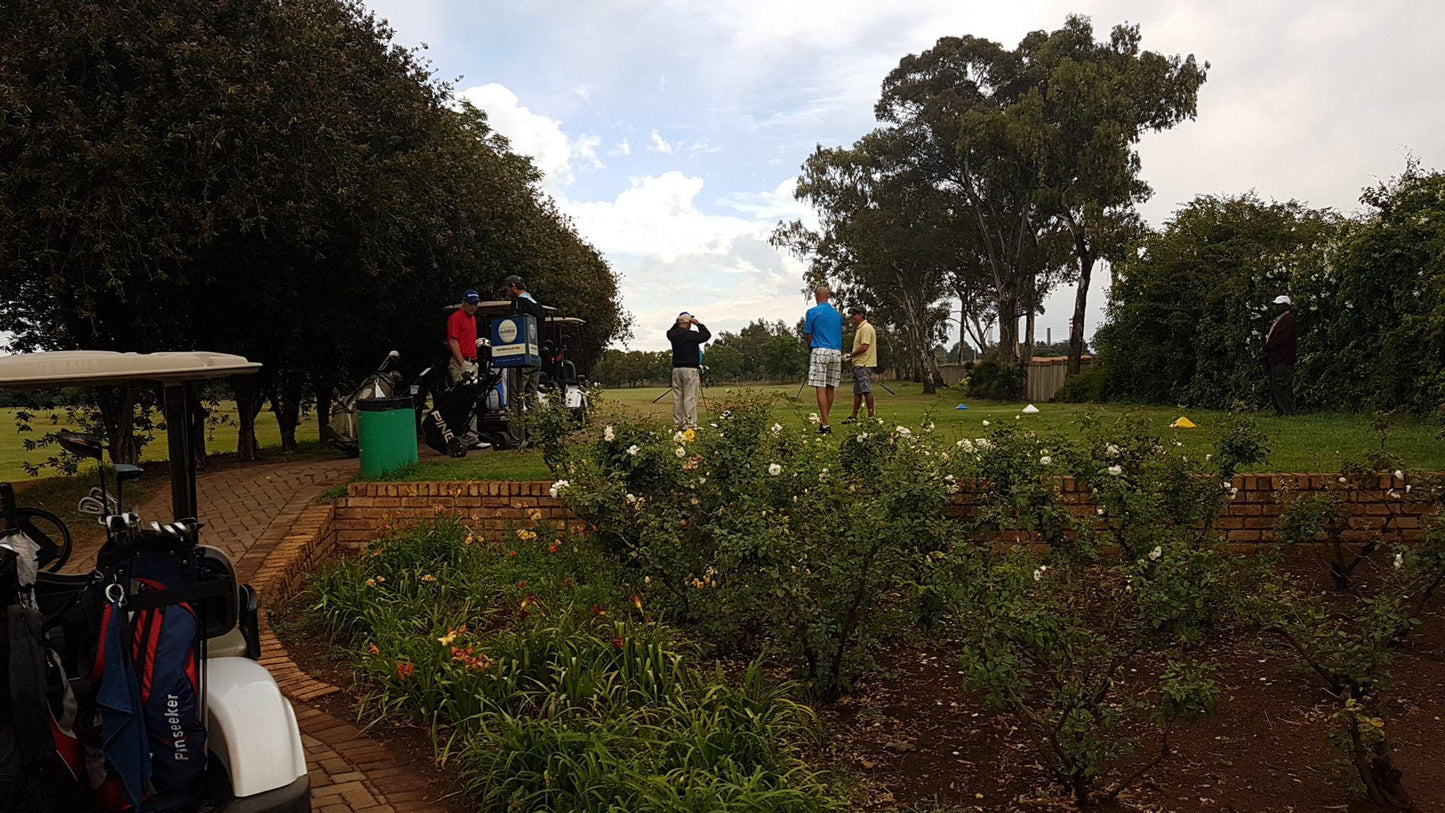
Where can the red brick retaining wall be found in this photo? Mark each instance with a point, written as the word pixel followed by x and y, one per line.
pixel 488 505
pixel 494 505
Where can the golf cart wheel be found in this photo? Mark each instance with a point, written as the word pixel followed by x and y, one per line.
pixel 48 532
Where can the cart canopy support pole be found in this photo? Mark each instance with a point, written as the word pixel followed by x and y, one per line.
pixel 183 458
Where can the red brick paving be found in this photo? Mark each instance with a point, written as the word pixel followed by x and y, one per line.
pixel 262 516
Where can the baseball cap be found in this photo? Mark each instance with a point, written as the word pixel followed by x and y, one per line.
pixel 1282 300
pixel 684 313
pixel 472 297
pixel 513 279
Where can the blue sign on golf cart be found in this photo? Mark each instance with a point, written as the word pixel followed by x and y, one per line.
pixel 514 341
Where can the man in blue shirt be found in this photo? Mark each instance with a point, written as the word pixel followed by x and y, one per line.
pixel 823 331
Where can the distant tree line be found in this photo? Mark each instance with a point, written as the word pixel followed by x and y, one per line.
pixel 275 179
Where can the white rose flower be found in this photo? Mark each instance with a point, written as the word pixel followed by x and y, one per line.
pixel 1039 572
pixel 1116 470
pixel 633 450
pixel 1228 484
pixel 965 444
pixel 775 469
pixel 680 452
pixel 985 423
pixel 1399 475
pixel 1399 560
pixel 813 418
pixel 861 438
pixel 1156 553
pixel 609 433
pixel 1111 450
pixel 678 437
pixel 557 488
pixel 1046 461
pixel 1100 512
pixel 902 430
pixel 631 498
pixel 701 480
pixel 777 427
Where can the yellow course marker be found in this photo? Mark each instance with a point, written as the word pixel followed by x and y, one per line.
pixel 1183 423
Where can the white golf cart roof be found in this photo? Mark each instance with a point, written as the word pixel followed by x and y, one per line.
pixel 566 320
pixel 73 368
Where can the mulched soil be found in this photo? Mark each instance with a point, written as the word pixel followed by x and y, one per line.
pixel 917 741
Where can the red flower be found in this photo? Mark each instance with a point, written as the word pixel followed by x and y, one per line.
pixel 617 642
pixel 552 548
pixel 597 610
pixel 521 585
pixel 404 669
pixel 512 554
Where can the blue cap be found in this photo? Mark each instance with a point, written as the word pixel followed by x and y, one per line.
pixel 472 297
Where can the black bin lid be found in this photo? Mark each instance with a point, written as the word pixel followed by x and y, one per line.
pixel 385 404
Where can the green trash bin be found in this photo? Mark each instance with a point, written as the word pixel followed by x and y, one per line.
pixel 386 432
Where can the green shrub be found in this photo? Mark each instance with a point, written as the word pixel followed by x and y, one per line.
pixel 1090 386
pixel 995 381
pixel 755 534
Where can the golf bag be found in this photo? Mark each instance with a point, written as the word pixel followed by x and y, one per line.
pixel 476 405
pixel 40 762
pixel 342 422
pixel 140 631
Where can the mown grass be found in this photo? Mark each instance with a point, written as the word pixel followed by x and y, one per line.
pixel 1318 442
pixel 220 437
pixel 547 688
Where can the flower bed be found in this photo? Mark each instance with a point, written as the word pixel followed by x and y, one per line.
pixel 549 688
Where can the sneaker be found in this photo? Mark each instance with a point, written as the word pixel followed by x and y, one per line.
pixel 825 430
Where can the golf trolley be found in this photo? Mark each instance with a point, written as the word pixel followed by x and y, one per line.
pixel 342 422
pixel 135 686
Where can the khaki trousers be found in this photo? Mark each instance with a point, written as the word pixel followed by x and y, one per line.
pixel 686 387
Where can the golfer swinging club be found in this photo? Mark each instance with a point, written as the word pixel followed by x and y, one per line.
pixel 686 368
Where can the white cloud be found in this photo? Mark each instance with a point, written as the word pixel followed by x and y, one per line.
pixel 773 205
pixel 540 137
pixel 622 148
pixel 672 255
pixel 660 144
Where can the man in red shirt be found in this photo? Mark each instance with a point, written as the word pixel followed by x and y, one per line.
pixel 462 338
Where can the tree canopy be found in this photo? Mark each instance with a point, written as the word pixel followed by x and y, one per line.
pixel 276 179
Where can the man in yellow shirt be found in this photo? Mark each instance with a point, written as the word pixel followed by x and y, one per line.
pixel 864 358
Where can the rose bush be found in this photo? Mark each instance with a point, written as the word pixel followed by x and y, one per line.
pixel 756 534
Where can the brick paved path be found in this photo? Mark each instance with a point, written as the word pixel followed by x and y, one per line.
pixel 247 512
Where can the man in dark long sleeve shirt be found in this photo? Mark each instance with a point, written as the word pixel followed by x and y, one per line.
pixel 686 364
pixel 1279 356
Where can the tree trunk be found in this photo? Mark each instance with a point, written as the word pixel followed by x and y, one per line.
pixel 1029 321
pixel 248 406
pixel 117 414
pixel 199 414
pixel 324 396
pixel 286 405
pixel 1008 330
pixel 1081 302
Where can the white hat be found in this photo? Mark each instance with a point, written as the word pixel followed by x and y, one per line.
pixel 1281 300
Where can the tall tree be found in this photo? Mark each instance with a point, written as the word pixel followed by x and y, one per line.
pixel 1036 139
pixel 886 240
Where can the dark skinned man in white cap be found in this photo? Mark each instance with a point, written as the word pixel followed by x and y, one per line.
pixel 1279 356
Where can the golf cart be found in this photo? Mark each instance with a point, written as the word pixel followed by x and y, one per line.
pixel 136 686
pixel 559 372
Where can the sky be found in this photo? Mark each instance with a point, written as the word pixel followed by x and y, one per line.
pixel 672 131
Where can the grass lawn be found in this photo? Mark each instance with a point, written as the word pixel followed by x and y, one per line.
pixel 1313 443
pixel 220 439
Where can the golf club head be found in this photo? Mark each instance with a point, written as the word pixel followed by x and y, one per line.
pixel 91 506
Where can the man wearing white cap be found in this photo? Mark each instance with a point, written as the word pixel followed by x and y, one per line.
pixel 686 364
pixel 1279 356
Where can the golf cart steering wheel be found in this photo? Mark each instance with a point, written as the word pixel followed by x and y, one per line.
pixel 50 535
